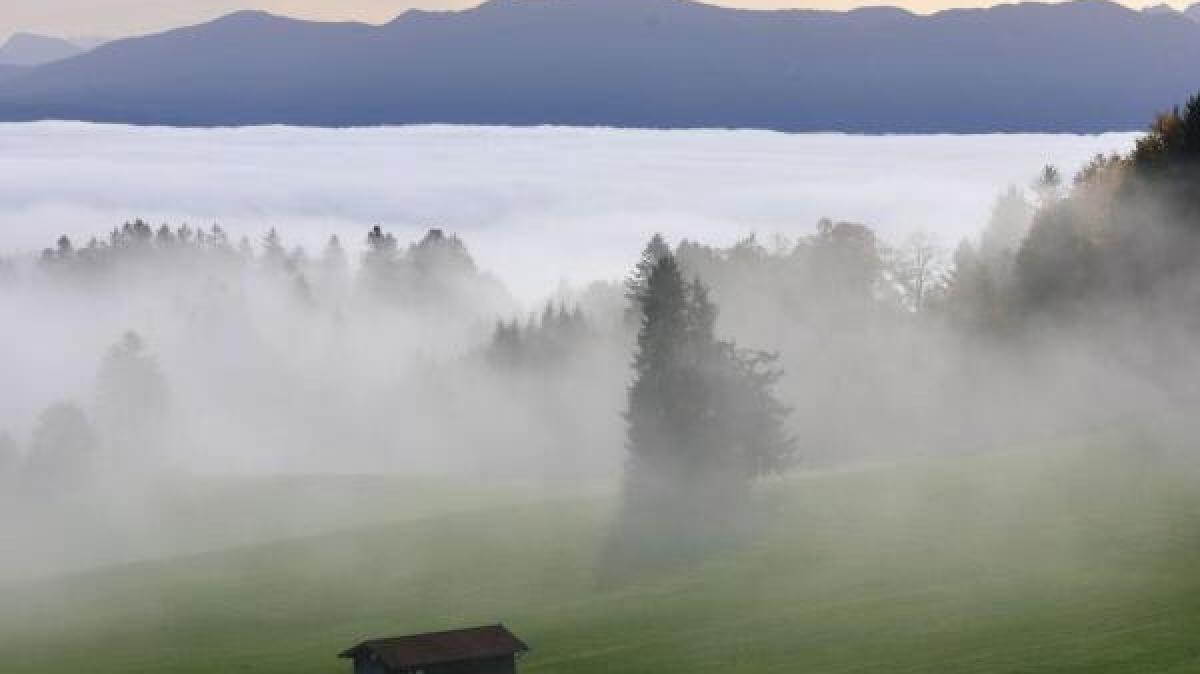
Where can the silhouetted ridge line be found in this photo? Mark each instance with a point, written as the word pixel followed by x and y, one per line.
pixel 1082 66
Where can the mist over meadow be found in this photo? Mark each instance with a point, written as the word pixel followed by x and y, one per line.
pixel 469 304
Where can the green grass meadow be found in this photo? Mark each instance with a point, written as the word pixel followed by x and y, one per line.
pixel 1071 560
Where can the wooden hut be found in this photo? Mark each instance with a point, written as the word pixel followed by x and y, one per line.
pixel 476 650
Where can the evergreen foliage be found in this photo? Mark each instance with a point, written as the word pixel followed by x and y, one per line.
pixel 435 272
pixel 548 339
pixel 703 420
pixel 62 453
pixel 635 285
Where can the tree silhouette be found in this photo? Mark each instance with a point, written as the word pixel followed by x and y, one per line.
pixel 334 265
pixel 656 249
pixel 62 452
pixel 1011 216
pixel 131 403
pixel 274 254
pixel 702 418
pixel 702 423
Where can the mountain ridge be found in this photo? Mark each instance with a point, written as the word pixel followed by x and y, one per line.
pixel 643 63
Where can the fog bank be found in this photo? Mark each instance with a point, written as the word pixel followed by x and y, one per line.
pixel 537 205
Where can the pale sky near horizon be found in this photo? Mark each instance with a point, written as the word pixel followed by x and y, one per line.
pixel 119 18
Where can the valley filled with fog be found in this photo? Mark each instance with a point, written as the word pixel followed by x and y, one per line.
pixel 544 212
pixel 319 334
pixel 457 306
pixel 536 205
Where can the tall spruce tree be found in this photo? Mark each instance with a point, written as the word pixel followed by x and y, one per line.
pixel 663 381
pixel 703 420
pixel 656 249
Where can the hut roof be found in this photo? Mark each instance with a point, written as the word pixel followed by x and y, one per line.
pixel 473 643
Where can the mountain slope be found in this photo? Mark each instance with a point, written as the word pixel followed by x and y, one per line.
pixel 647 63
pixel 24 49
pixel 8 72
pixel 1054 561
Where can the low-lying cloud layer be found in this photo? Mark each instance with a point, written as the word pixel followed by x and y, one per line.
pixel 535 205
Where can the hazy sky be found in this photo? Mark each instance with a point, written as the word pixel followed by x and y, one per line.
pixel 126 17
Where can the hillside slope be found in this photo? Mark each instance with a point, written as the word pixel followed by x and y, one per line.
pixel 642 63
pixel 181 516
pixel 1072 561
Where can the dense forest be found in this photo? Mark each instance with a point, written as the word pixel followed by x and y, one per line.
pixel 163 349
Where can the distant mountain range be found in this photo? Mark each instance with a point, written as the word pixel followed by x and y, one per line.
pixel 1192 12
pixel 24 49
pixel 1082 66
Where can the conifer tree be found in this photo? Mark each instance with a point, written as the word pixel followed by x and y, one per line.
pixel 274 254
pixel 131 402
pixel 654 251
pixel 217 238
pixel 1008 225
pixel 185 234
pixel 702 417
pixel 380 262
pixel 333 260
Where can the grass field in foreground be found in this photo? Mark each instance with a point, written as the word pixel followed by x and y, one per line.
pixel 1066 561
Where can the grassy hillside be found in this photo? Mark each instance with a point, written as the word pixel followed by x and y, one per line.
pixel 193 515
pixel 1071 561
